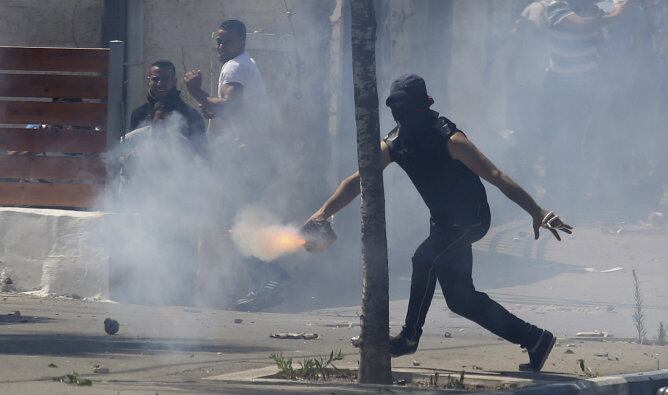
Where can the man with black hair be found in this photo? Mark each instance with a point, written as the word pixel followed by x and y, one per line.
pixel 242 154
pixel 162 92
pixel 242 102
pixel 446 168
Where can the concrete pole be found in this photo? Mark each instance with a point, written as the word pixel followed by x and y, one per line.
pixel 136 84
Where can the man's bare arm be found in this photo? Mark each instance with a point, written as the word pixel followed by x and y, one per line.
pixel 463 150
pixel 587 23
pixel 230 94
pixel 347 190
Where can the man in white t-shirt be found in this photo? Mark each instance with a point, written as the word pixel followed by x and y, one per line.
pixel 241 152
pixel 242 106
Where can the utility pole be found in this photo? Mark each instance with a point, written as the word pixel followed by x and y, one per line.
pixel 375 364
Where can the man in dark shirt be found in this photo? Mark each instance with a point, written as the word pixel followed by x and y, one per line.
pixel 162 90
pixel 446 168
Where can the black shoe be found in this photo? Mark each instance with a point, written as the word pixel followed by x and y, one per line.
pixel 267 296
pixel 539 353
pixel 399 346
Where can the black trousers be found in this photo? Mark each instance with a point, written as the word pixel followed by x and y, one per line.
pixel 446 256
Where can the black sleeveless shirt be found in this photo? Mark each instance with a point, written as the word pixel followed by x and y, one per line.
pixel 453 193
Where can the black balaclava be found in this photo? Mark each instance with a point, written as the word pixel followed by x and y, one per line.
pixel 409 104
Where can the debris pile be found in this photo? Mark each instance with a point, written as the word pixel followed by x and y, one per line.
pixel 290 335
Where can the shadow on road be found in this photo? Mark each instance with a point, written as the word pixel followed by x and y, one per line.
pixel 73 345
pixel 490 270
pixel 11 319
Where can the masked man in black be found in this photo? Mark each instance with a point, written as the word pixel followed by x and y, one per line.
pixel 446 168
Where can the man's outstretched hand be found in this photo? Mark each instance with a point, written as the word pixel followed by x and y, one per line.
pixel 550 221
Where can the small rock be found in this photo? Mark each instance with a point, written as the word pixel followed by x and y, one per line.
pixel 569 351
pixel 416 363
pixel 99 369
pixel 571 345
pixel 219 353
pixel 238 320
pixel 111 326
pixel 610 309
pixel 401 382
pixel 447 334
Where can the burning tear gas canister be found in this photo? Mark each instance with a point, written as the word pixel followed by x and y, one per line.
pixel 318 234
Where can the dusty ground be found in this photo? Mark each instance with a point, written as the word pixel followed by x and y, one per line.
pixel 170 349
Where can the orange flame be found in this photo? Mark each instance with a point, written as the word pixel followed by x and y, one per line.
pixel 284 240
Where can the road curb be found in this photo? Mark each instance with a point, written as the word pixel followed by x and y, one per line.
pixel 645 383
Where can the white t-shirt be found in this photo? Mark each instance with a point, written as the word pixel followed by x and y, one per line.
pixel 250 123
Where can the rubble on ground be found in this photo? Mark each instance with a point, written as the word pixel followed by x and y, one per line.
pixel 111 326
pixel 291 335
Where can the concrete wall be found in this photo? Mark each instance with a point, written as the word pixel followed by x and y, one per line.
pixel 50 23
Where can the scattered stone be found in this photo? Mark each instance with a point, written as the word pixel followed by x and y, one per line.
pixel 111 326
pixel 610 309
pixel 99 369
pixel 447 334
pixel 401 382
pixel 6 283
pixel 238 320
pixel 596 334
pixel 356 341
pixel 601 355
pixel 614 269
pixel 219 353
pixel 290 335
pixel 656 218
pixel 73 296
pixel 569 351
pixel 52 365
pixel 416 363
pixel 571 345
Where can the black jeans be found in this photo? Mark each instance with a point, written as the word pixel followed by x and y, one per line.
pixel 446 256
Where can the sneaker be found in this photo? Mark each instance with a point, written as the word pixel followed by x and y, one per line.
pixel 265 297
pixel 399 346
pixel 539 353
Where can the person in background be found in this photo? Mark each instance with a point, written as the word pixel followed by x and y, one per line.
pixel 242 154
pixel 569 89
pixel 162 92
